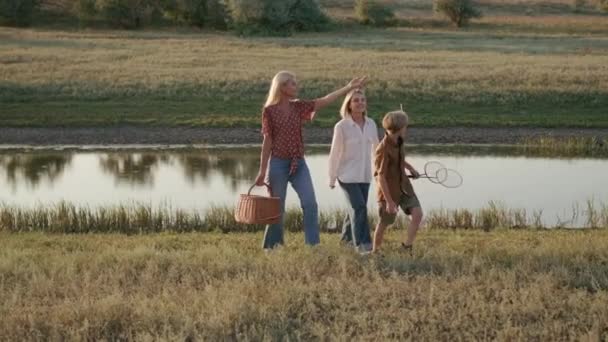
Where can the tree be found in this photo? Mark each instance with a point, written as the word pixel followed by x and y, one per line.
pixel 458 11
pixel 17 12
pixel 370 12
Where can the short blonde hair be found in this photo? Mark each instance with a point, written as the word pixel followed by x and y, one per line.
pixel 395 121
pixel 345 110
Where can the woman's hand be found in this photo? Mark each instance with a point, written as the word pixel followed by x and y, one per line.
pixel 358 82
pixel 260 179
pixel 324 101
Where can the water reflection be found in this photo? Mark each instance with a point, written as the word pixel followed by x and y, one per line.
pixel 33 168
pixel 235 166
pixel 202 178
pixel 133 168
pixel 196 167
pixel 140 169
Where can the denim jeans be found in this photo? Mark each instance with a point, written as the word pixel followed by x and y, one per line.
pixel 355 229
pixel 278 177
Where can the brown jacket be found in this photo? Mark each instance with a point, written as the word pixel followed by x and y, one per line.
pixel 389 162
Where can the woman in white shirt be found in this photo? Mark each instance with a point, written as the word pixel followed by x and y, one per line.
pixel 350 164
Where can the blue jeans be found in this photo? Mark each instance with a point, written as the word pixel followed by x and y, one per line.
pixel 355 229
pixel 278 176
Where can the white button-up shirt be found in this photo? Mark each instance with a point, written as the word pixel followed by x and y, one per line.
pixel 350 158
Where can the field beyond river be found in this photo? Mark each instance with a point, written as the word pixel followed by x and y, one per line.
pixel 536 65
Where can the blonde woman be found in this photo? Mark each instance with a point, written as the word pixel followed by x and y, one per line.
pixel 282 158
pixel 350 164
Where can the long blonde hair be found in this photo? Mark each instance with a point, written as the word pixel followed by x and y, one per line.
pixel 345 110
pixel 274 94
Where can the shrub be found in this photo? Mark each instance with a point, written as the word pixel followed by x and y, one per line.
pixel 201 13
pixel 17 12
pixel 128 13
pixel 369 12
pixel 272 16
pixel 458 11
pixel 603 5
pixel 217 15
pixel 578 5
pixel 85 10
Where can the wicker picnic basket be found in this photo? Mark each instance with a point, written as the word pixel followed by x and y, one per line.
pixel 252 209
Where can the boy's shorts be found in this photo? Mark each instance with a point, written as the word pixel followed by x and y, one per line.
pixel 406 203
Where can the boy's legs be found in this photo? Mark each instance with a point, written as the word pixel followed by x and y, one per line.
pixel 411 206
pixel 378 236
pixel 412 230
pixel 385 219
pixel 302 184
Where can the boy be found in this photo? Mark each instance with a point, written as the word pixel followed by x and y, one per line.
pixel 394 187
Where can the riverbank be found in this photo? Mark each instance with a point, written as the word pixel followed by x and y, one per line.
pixel 119 135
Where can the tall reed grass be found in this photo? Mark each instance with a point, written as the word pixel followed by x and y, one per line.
pixel 571 146
pixel 140 218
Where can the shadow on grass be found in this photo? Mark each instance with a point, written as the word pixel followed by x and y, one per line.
pixel 587 272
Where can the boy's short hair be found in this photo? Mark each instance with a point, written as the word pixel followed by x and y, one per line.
pixel 395 121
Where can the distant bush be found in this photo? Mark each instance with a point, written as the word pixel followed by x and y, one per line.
pixel 603 5
pixel 17 12
pixel 217 15
pixel 272 16
pixel 578 5
pixel 86 10
pixel 201 13
pixel 370 12
pixel 128 13
pixel 458 11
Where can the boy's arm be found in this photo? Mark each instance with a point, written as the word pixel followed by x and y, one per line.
pixel 385 190
pixel 382 167
pixel 391 206
pixel 411 169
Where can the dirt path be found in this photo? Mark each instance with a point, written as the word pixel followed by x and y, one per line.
pixel 183 135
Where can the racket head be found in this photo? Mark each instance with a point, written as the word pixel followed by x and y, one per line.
pixel 449 178
pixel 432 171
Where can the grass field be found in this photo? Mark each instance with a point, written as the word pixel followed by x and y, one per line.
pixel 524 64
pixel 459 285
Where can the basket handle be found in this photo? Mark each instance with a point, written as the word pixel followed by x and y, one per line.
pixel 267 187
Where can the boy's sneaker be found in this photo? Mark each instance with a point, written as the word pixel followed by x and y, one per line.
pixel 407 249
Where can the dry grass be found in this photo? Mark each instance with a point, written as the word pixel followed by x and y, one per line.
pixel 504 285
